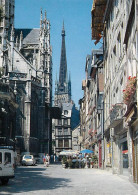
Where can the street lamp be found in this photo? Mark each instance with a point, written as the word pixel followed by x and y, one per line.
pixel 102 130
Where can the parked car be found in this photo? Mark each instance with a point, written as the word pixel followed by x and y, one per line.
pixel 7 163
pixel 39 160
pixel 28 160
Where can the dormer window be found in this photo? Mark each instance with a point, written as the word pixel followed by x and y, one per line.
pixel 65 112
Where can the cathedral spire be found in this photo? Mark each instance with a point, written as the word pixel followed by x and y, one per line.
pixel 63 64
pixel 63 30
pixel 63 86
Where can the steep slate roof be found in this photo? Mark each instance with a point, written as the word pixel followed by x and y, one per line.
pixel 30 36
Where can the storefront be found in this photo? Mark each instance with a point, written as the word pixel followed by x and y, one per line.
pixel 136 160
pixel 135 152
pixel 123 161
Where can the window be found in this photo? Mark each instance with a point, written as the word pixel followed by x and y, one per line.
pixel 59 131
pixel 65 112
pixel 65 121
pixel 119 44
pixel 7 158
pixel 116 3
pixel 66 131
pixel 59 122
pixel 66 143
pixel 60 143
pixel 112 15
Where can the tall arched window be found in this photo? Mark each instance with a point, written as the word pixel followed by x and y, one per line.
pixel 119 44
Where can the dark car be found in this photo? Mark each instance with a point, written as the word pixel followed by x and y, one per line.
pixel 38 159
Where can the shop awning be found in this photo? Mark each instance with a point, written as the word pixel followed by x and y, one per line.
pixel 68 152
pixel 97 13
pixel 125 152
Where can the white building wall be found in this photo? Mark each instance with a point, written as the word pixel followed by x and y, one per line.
pixel 115 71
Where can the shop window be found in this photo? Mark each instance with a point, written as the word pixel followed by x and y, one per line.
pixel 125 154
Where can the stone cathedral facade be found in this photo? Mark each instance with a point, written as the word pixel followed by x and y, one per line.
pixel 26 68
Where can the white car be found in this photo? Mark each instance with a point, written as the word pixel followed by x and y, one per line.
pixel 7 164
pixel 28 160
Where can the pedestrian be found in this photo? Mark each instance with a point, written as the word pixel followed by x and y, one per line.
pixel 44 159
pixel 47 160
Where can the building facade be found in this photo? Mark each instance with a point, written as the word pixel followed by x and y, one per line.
pixel 91 113
pixel 116 22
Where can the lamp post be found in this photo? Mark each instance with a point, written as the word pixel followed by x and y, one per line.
pixel 102 131
pixel 102 134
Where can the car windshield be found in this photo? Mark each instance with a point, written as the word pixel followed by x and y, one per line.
pixel 28 157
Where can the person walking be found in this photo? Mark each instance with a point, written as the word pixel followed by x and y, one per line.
pixel 44 159
pixel 47 160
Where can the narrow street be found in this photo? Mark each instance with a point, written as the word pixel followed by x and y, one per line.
pixel 56 180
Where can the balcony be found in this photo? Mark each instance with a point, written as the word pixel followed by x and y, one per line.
pixel 116 115
pixel 129 93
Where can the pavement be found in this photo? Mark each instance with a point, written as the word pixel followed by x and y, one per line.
pixel 91 182
pixel 55 180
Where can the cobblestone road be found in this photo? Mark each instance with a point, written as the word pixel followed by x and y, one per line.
pixel 55 180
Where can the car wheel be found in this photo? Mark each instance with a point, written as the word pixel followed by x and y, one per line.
pixel 4 181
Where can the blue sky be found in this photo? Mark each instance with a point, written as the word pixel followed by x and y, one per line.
pixel 77 22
